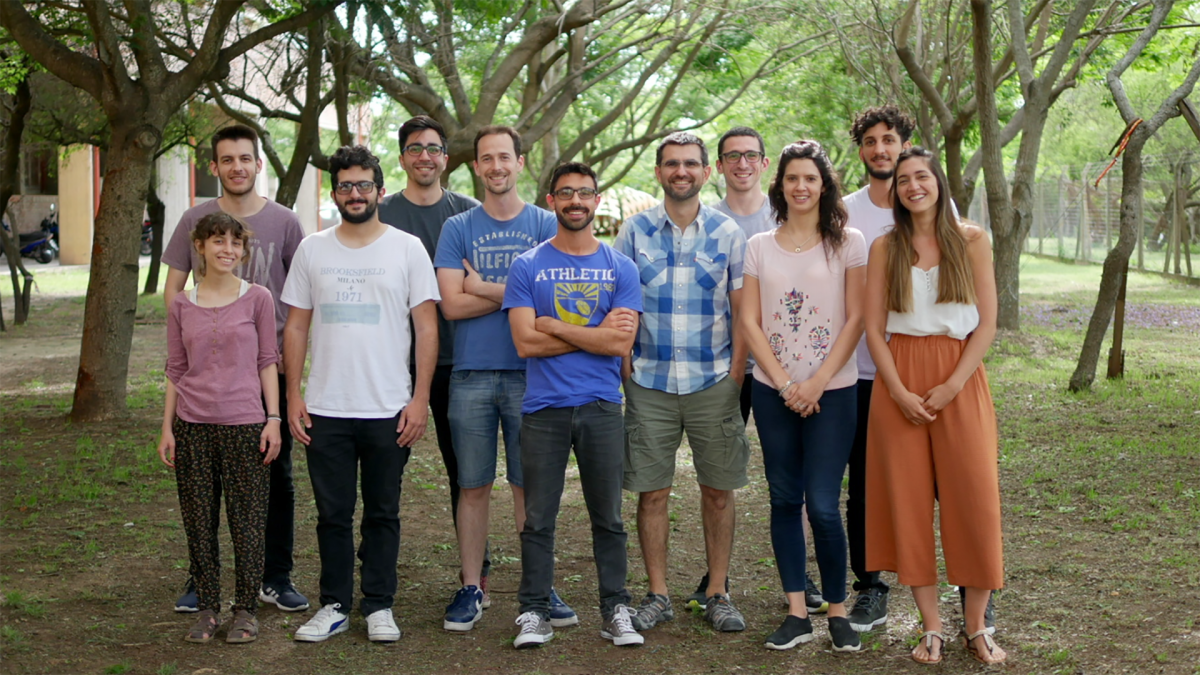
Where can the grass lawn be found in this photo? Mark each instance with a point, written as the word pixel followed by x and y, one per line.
pixel 1101 504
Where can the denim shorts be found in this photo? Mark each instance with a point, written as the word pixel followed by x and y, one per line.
pixel 483 402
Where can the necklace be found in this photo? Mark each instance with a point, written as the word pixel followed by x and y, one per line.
pixel 799 248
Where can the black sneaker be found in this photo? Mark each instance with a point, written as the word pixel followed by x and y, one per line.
pixel 793 631
pixel 812 597
pixel 870 610
pixel 699 599
pixel 189 601
pixel 989 614
pixel 845 638
pixel 284 596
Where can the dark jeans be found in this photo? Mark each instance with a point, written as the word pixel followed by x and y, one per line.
pixel 281 505
pixel 596 431
pixel 856 502
pixel 805 458
pixel 338 446
pixel 439 406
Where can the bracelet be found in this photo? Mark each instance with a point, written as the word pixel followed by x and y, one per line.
pixel 275 418
pixel 785 387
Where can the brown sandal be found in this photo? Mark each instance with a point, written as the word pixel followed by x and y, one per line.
pixel 205 627
pixel 989 656
pixel 927 638
pixel 243 629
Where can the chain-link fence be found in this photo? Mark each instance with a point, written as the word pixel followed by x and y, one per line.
pixel 1074 218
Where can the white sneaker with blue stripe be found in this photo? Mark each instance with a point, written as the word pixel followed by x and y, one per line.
pixel 327 622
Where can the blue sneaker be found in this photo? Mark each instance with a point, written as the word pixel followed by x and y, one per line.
pixel 188 602
pixel 561 614
pixel 284 596
pixel 464 610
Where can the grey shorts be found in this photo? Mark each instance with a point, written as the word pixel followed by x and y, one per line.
pixel 654 425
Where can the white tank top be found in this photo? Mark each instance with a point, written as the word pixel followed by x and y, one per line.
pixel 927 317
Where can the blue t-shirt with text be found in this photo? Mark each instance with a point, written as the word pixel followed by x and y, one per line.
pixel 579 290
pixel 491 246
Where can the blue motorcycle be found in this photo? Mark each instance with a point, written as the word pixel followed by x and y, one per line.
pixel 40 245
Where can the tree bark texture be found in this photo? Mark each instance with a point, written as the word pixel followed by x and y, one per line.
pixel 9 178
pixel 157 212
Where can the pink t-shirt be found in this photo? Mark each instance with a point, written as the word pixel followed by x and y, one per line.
pixel 802 297
pixel 214 356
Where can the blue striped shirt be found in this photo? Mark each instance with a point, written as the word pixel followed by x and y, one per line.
pixel 685 338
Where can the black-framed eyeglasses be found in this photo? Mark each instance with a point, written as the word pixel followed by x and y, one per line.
pixel 365 187
pixel 415 150
pixel 567 193
pixel 751 156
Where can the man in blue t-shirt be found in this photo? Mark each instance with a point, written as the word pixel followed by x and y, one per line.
pixel 487 382
pixel 573 304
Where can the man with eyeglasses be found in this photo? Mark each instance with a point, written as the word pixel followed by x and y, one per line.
pixel 573 305
pixel 421 209
pixel 487 383
pixel 356 285
pixel 686 373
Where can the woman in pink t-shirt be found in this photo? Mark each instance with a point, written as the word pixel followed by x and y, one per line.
pixel 802 317
pixel 221 366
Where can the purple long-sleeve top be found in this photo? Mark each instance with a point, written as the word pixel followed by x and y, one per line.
pixel 215 355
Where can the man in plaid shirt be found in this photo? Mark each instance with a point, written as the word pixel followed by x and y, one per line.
pixel 687 372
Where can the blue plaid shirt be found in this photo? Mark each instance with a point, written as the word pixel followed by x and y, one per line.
pixel 685 339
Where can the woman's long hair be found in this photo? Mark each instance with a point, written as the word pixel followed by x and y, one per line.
pixel 956 283
pixel 831 213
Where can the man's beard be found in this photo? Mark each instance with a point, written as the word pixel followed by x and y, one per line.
pixel 247 188
pixel 359 218
pixel 562 220
pixel 880 175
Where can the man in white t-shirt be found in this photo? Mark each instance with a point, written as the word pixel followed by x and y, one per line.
pixel 356 285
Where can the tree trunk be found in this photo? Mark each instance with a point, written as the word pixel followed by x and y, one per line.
pixel 112 284
pixel 1115 265
pixel 157 210
pixel 9 177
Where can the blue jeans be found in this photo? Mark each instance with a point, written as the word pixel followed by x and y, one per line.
pixel 481 403
pixel 806 457
pixel 596 432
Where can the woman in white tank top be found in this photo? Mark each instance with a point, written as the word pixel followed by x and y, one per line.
pixel 931 435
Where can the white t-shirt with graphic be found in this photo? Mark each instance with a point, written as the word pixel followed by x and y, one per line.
pixel 361 299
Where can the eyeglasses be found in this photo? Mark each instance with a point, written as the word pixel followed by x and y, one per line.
pixel 584 193
pixel 691 164
pixel 365 187
pixel 733 157
pixel 415 150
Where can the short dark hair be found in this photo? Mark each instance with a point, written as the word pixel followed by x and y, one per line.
pixel 572 168
pixel 418 124
pixel 219 222
pixel 831 212
pixel 349 156
pixel 235 132
pixel 740 131
pixel 681 138
pixel 889 115
pixel 493 129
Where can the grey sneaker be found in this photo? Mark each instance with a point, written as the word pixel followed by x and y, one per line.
pixel 535 631
pixel 723 615
pixel 654 610
pixel 619 628
pixel 870 610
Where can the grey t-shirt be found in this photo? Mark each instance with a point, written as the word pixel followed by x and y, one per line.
pixel 761 220
pixel 275 236
pixel 425 223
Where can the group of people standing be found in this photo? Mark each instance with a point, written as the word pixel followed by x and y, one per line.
pixel 505 318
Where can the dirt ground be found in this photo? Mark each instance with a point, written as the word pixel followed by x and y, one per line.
pixel 92 554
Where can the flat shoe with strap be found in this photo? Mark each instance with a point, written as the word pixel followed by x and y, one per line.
pixel 243 629
pixel 204 629
pixel 927 638
pixel 989 653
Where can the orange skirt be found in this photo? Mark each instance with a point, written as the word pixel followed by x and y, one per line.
pixel 951 461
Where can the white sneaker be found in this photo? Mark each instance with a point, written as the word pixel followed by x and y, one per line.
pixel 381 626
pixel 327 622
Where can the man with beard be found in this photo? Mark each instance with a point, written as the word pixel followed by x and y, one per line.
pixel 421 209
pixel 275 234
pixel 487 383
pixel 573 304
pixel 356 285
pixel 686 373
